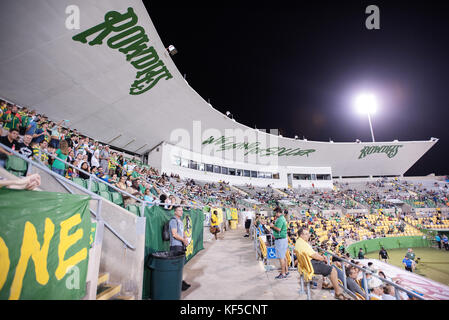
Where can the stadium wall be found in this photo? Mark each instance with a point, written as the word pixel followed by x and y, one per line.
pixel 388 243
pixel 170 164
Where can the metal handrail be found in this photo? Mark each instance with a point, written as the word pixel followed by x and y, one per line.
pixel 143 202
pixel 364 271
pixel 71 183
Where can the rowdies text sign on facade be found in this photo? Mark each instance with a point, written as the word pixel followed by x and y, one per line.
pixel 226 143
pixel 391 151
pixel 133 42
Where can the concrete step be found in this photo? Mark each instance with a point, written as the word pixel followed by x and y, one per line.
pixel 123 298
pixel 103 278
pixel 108 291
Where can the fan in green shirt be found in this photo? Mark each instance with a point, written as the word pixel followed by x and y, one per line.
pixel 135 174
pixel 280 224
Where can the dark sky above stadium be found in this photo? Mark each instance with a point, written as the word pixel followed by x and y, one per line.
pixel 297 67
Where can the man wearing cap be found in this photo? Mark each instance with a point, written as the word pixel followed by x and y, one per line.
pixel 280 242
pixel 375 287
pixel 410 254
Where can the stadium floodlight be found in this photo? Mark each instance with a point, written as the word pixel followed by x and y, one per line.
pixel 172 50
pixel 367 103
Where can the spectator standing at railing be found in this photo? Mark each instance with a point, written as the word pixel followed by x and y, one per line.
pixel 104 158
pixel 32 124
pixel 41 134
pixel 62 153
pixel 10 141
pixel 55 135
pixel 280 242
pixel 25 121
pixel 112 163
pixel 12 119
pixel 95 160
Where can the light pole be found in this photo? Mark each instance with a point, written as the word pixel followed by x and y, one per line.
pixel 367 103
pixel 370 126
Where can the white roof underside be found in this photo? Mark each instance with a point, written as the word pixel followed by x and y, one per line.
pixel 43 67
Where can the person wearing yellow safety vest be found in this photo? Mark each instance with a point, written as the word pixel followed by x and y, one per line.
pixel 214 229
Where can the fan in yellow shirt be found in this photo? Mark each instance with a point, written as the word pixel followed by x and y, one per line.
pixel 319 262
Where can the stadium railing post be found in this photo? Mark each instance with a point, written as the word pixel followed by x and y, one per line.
pixel 292 256
pixel 142 209
pixel 365 285
pixel 397 294
pixel 344 276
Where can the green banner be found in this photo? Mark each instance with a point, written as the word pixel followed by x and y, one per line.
pixel 156 218
pixel 228 214
pixel 44 245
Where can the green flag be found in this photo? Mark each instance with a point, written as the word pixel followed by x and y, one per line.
pixel 44 245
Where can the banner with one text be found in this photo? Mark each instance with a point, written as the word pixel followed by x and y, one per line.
pixel 44 245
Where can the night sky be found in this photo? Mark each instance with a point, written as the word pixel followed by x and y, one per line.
pixel 298 67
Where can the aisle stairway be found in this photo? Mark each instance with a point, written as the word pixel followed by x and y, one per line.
pixel 108 291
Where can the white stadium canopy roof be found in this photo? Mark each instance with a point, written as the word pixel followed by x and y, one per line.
pixel 43 67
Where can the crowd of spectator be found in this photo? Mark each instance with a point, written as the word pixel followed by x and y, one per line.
pixel 35 136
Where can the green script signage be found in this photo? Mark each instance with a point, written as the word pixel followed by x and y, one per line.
pixel 44 245
pixel 390 151
pixel 132 41
pixel 253 148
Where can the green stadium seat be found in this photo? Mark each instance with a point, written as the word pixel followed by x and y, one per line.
pixel 94 186
pixel 117 198
pixel 102 187
pixel 80 182
pixel 134 209
pixel 16 166
pixel 106 195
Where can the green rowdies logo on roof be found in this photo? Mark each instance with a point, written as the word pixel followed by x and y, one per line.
pixel 132 41
pixel 254 148
pixel 390 151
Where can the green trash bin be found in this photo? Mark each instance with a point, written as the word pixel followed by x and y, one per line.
pixel 166 275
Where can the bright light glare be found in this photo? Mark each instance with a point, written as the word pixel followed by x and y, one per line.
pixel 366 103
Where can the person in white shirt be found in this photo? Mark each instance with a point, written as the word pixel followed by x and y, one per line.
pixel 376 290
pixel 389 293
pixel 95 159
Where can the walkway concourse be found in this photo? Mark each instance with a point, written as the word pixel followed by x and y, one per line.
pixel 227 269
